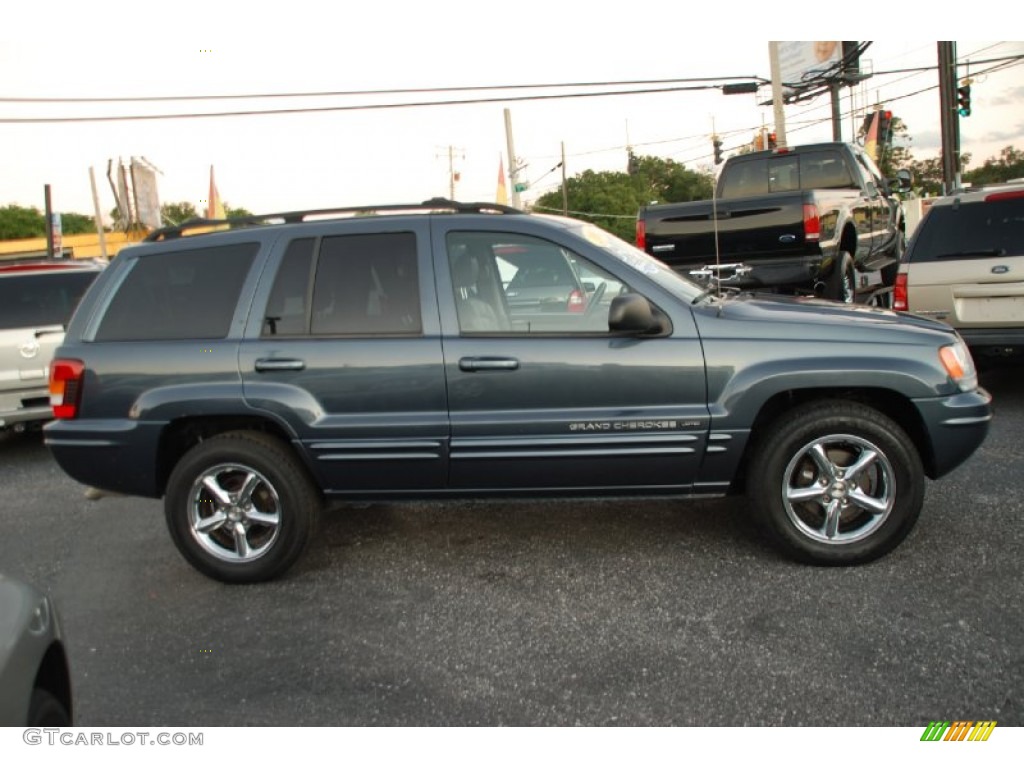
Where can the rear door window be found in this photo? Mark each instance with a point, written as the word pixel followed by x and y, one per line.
pixel 347 285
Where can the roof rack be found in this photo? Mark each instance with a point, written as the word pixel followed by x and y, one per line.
pixel 436 204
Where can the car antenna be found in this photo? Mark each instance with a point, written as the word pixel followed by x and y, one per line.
pixel 714 216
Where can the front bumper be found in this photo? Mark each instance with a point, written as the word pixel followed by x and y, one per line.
pixel 956 427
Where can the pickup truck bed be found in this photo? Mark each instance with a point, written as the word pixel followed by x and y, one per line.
pixel 815 219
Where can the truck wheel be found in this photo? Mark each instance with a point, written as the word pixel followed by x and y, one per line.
pixel 838 484
pixel 240 507
pixel 890 271
pixel 841 284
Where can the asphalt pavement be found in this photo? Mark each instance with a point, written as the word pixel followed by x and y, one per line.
pixel 594 613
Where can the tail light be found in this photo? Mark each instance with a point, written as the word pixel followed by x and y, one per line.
pixel 812 223
pixel 900 294
pixel 641 234
pixel 576 301
pixel 66 387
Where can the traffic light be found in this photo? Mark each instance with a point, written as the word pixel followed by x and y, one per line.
pixel 884 127
pixel 717 144
pixel 963 97
pixel 772 142
pixel 759 142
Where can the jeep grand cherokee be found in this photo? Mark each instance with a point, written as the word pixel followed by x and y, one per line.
pixel 247 376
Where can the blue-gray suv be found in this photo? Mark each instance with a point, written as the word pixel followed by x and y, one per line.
pixel 247 375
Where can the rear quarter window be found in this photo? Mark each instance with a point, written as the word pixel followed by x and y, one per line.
pixel 179 295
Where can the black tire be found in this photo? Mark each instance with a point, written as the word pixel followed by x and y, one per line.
pixel 889 271
pixel 841 285
pixel 241 508
pixel 816 512
pixel 46 711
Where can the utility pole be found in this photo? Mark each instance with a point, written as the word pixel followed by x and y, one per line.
pixel 513 161
pixel 565 188
pixel 780 112
pixel 49 222
pixel 949 117
pixel 99 216
pixel 837 118
pixel 453 175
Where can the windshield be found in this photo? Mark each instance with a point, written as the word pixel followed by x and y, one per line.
pixel 640 261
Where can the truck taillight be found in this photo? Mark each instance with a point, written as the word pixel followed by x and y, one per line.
pixel 641 234
pixel 900 295
pixel 576 301
pixel 66 387
pixel 812 223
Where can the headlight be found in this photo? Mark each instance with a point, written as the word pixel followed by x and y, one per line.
pixel 959 364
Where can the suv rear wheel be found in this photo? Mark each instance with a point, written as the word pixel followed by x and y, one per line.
pixel 837 484
pixel 240 507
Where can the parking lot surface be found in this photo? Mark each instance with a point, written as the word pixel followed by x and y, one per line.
pixel 605 612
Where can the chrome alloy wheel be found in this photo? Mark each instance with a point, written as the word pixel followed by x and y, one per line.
pixel 838 489
pixel 234 512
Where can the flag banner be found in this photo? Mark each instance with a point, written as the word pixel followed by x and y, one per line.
pixel 214 206
pixel 501 198
pixel 871 140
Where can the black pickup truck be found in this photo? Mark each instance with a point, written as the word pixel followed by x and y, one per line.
pixel 818 219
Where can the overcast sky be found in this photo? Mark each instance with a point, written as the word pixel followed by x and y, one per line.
pixel 349 156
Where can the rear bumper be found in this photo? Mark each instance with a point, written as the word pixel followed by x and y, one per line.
pixel 24 405
pixel 113 455
pixel 988 339
pixel 956 426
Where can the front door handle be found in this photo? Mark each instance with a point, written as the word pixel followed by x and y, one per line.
pixel 280 364
pixel 488 364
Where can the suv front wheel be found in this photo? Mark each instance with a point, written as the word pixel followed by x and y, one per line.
pixel 836 484
pixel 240 508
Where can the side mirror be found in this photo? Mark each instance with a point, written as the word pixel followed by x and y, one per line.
pixel 632 313
pixel 904 179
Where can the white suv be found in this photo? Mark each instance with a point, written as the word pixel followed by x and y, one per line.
pixel 36 302
pixel 965 266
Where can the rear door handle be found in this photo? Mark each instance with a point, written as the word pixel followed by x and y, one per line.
pixel 280 364
pixel 488 364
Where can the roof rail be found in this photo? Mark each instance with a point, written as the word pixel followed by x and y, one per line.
pixel 436 204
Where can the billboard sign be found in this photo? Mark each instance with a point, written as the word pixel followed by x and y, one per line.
pixel 807 62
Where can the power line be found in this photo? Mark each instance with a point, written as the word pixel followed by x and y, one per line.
pixel 377 92
pixel 348 108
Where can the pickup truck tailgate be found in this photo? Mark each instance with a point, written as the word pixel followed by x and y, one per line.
pixel 744 227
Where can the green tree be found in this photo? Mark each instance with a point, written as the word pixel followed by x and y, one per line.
pixel 611 199
pixel 17 222
pixel 236 213
pixel 178 213
pixel 928 174
pixel 1009 165
pixel 76 224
